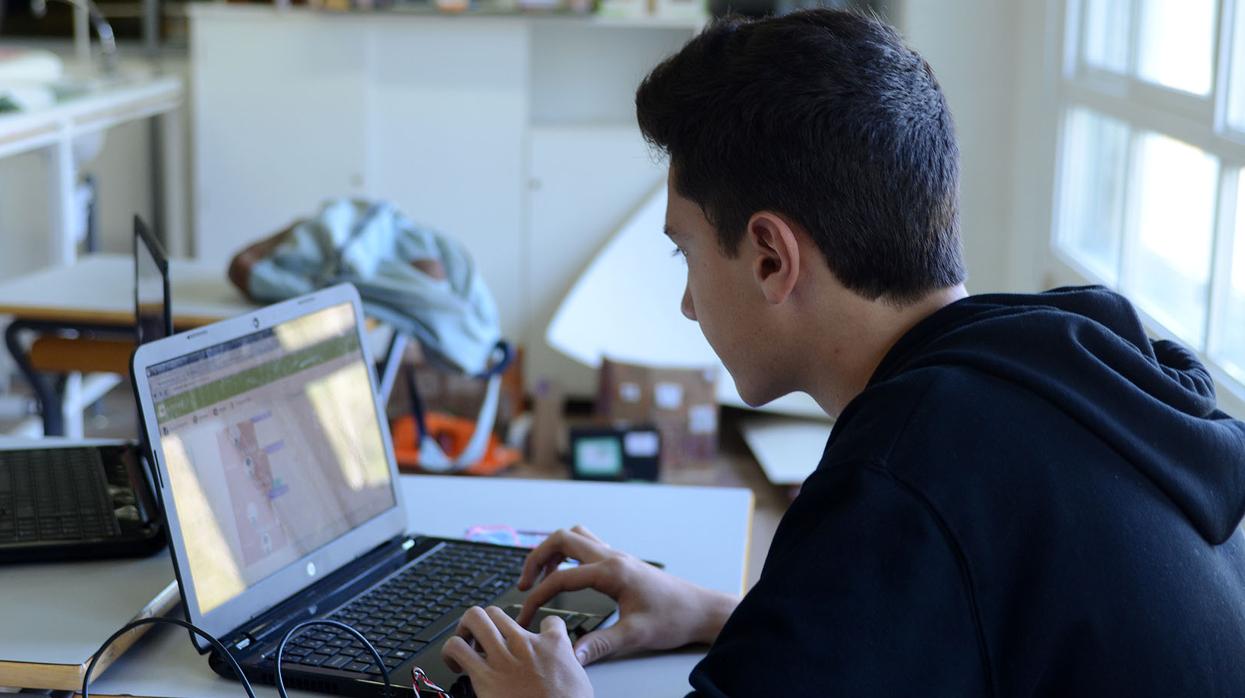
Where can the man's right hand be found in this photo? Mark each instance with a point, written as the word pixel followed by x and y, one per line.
pixel 657 610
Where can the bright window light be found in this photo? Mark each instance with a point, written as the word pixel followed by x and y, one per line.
pixel 1092 199
pixel 1236 88
pixel 1231 344
pixel 1106 34
pixel 1177 44
pixel 1171 261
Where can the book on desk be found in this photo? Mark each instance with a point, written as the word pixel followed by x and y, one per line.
pixel 49 646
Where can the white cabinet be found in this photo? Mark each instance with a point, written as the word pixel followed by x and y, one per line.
pixel 279 113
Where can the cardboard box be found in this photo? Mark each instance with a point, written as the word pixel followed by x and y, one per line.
pixel 681 403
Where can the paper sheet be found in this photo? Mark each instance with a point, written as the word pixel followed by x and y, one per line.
pixel 787 449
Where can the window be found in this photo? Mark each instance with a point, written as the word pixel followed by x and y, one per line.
pixel 1228 346
pixel 1093 181
pixel 1150 193
pixel 1175 47
pixel 1169 263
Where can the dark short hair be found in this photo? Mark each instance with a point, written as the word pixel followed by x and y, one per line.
pixel 827 118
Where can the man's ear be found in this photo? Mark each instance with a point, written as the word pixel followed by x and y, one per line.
pixel 775 252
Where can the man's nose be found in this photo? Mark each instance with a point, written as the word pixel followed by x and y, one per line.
pixel 689 310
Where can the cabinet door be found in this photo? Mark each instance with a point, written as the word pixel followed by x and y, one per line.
pixel 585 182
pixel 445 129
pixel 279 106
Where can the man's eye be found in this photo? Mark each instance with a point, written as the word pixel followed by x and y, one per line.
pixel 677 251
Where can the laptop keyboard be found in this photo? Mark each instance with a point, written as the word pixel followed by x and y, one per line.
pixel 410 609
pixel 54 494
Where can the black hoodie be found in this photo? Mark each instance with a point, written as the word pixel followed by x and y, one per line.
pixel 1030 498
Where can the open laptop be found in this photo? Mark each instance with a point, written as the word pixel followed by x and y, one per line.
pixel 72 501
pixel 276 471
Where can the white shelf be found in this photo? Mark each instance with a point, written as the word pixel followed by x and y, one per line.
pixel 135 96
pixel 97 110
pixel 218 10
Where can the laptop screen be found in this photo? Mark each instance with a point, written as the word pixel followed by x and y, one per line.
pixel 272 446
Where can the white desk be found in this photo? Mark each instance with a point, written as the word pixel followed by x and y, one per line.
pixel 98 291
pixel 699 533
pixel 99 288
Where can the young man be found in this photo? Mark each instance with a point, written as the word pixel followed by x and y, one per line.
pixel 1023 495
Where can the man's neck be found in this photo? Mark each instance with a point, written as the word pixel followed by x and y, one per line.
pixel 878 326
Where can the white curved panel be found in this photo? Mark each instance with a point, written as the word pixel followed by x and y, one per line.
pixel 626 306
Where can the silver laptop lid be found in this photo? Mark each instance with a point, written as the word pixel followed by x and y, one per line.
pixel 273 456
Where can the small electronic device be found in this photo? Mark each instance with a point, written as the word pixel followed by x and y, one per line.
pixel 73 501
pixel 276 470
pixel 608 453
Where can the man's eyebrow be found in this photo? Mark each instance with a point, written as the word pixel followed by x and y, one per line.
pixel 671 232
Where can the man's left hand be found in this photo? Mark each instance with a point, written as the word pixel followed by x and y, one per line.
pixel 504 659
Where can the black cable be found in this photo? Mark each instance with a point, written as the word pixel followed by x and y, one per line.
pixel 246 685
pixel 384 672
pixel 217 645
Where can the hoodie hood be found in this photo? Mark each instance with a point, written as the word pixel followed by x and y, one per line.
pixel 1085 351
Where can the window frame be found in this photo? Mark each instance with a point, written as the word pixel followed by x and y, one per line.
pixel 1200 121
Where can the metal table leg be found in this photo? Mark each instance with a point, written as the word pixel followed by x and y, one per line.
pixel 389 366
pixel 51 405
pixel 49 399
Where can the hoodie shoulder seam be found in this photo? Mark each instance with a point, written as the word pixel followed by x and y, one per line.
pixel 957 551
pixel 898 434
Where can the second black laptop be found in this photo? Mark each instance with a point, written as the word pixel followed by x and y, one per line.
pixel 73 502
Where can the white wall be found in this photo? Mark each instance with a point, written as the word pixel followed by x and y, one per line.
pixel 23 213
pixel 1035 143
pixel 973 47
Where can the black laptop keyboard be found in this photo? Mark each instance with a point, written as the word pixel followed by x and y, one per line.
pixel 54 494
pixel 411 609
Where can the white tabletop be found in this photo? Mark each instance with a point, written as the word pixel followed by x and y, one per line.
pixel 100 288
pixel 699 533
pixel 48 618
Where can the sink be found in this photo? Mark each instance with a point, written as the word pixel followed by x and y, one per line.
pixel 26 97
pixel 79 83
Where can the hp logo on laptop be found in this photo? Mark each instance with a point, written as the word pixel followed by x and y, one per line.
pixel 311 569
pixel 255 322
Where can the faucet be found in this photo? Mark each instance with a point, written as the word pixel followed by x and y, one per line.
pixel 103 29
